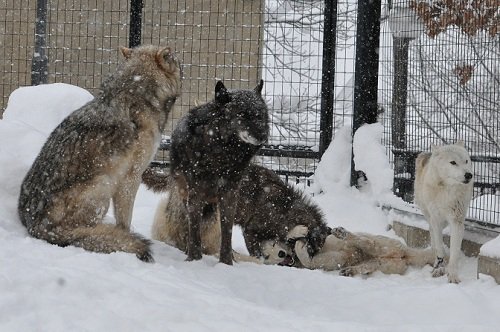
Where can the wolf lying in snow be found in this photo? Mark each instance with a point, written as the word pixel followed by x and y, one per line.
pixel 351 253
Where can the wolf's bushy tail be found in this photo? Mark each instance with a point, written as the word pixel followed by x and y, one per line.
pixel 102 238
pixel 158 182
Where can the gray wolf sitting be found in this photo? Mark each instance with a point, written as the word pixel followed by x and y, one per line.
pixel 98 154
pixel 266 209
pixel 211 147
pixel 443 191
pixel 351 253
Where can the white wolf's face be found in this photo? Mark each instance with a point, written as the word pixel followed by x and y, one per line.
pixel 453 163
pixel 277 253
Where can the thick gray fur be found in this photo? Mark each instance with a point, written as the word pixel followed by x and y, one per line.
pixel 98 153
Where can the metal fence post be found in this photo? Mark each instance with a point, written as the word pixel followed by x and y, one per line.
pixel 135 37
pixel 328 75
pixel 404 27
pixel 366 69
pixel 403 160
pixel 39 62
pixel 399 92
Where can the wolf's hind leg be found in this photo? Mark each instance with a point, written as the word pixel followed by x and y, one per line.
pixel 103 238
pixel 384 265
pixel 107 238
pixel 364 268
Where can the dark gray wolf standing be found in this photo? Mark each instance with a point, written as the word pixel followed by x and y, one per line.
pixel 266 209
pixel 211 147
pixel 98 153
pixel 443 191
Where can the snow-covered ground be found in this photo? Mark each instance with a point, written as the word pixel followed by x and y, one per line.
pixel 47 288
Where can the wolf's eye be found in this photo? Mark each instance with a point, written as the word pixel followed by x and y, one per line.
pixel 453 162
pixel 467 161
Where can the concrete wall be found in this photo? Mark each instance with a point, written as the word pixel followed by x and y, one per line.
pixel 474 238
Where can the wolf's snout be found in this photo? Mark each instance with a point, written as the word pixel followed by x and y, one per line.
pixel 468 177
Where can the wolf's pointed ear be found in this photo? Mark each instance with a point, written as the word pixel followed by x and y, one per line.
pixel 460 143
pixel 167 59
pixel 258 88
pixel 166 55
pixel 127 52
pixel 221 93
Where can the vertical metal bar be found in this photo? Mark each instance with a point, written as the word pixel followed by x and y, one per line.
pixel 135 37
pixel 403 160
pixel 328 75
pixel 366 69
pixel 39 61
pixel 399 96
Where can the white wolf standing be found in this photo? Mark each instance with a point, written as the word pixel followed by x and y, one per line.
pixel 443 191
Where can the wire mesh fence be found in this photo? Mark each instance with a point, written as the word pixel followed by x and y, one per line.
pixel 81 40
pixel 438 76
pixel 17 22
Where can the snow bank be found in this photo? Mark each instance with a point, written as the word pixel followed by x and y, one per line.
pixel 370 157
pixel 31 115
pixel 334 168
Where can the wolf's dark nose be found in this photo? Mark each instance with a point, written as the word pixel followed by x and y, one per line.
pixel 281 254
pixel 468 176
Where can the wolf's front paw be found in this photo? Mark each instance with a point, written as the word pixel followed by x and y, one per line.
pixel 297 232
pixel 194 255
pixel 453 278
pixel 347 272
pixel 438 269
pixel 339 232
pixel 438 272
pixel 146 256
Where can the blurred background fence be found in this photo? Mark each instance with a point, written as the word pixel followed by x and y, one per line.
pixel 427 70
